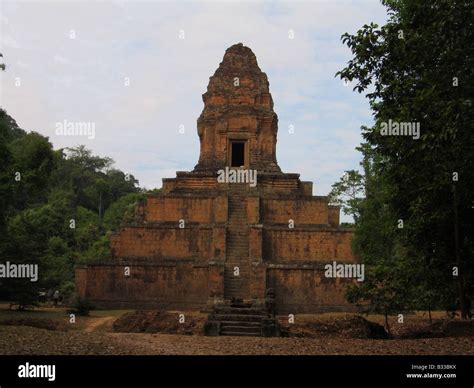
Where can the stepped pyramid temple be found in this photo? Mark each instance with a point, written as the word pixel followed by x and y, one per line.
pixel 236 228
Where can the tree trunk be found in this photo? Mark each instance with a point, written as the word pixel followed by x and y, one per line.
pixel 100 205
pixel 386 323
pixel 462 301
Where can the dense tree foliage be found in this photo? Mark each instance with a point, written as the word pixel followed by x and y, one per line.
pixel 57 209
pixel 417 220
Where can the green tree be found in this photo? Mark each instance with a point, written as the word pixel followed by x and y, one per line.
pixel 348 193
pixel 33 162
pixel 122 210
pixel 418 68
pixel 53 214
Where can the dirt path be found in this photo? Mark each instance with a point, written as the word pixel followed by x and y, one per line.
pixel 92 324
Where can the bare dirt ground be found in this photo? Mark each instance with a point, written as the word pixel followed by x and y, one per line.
pixel 48 331
pixel 187 345
pixel 16 340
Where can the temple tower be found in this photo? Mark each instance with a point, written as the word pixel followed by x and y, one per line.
pixel 238 127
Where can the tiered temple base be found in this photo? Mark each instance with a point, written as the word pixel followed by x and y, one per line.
pixel 193 246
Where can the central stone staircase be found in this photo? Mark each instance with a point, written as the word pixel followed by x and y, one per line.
pixel 237 247
pixel 239 319
pixel 237 316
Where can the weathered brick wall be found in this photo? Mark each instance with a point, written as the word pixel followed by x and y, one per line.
pixel 258 281
pixel 178 286
pixel 170 242
pixel 253 210
pixel 307 290
pixel 190 209
pixel 301 211
pixel 255 243
pixel 334 212
pixel 283 245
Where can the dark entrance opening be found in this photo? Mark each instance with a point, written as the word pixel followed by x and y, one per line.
pixel 238 154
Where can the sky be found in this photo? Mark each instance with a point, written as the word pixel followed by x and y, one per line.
pixel 124 67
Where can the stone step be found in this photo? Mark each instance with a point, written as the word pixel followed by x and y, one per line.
pixel 239 310
pixel 233 288
pixel 243 268
pixel 234 291
pixel 238 317
pixel 232 285
pixel 237 247
pixel 241 329
pixel 236 279
pixel 242 275
pixel 241 323
pixel 240 334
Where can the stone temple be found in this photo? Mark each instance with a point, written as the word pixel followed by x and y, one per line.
pixel 202 242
